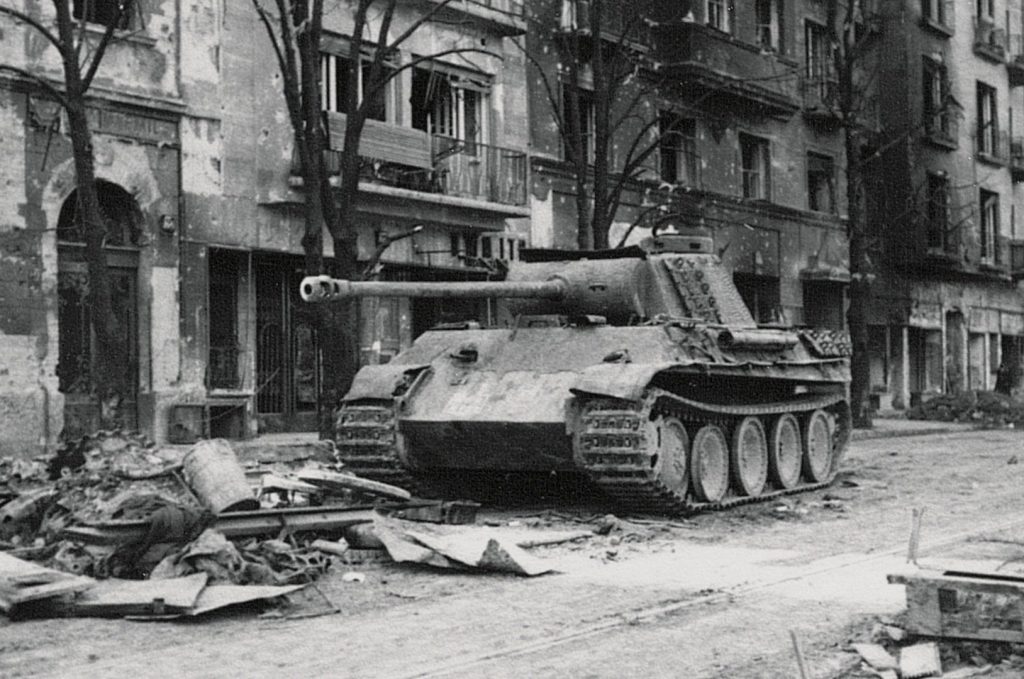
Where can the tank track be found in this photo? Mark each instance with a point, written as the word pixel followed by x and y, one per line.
pixel 611 447
pixel 366 436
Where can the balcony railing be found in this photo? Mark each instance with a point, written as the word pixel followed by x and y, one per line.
pixel 473 170
pixel 942 128
pixel 445 166
pixel 989 41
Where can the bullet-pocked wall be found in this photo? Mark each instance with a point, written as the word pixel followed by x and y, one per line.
pixel 133 108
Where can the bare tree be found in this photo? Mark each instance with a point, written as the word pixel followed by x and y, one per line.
pixel 295 29
pixel 81 54
pixel 601 96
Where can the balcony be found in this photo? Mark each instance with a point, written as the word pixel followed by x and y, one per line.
pixel 410 159
pixel 989 41
pixel 992 147
pixel 942 129
pixel 504 17
pixel 820 98
pixel 1015 60
pixel 728 70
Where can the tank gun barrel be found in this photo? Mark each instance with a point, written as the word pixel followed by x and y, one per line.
pixel 325 289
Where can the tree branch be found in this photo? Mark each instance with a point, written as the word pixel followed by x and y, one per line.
pixel 50 89
pixel 101 49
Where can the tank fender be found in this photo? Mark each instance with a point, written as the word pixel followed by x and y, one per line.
pixel 383 381
pixel 618 380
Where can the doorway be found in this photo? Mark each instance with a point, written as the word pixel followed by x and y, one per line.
pixel 287 348
pixel 76 340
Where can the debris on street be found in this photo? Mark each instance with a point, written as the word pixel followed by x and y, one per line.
pixel 988 408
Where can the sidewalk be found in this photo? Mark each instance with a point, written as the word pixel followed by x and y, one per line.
pixel 893 425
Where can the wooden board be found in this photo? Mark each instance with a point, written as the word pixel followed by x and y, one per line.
pixel 984 606
pixel 384 141
pixel 22 582
pixel 115 597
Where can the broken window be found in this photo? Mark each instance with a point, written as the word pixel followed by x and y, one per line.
pixel 755 158
pixel 336 83
pixel 988 203
pixel 103 12
pixel 677 149
pixel 451 103
pixel 821 179
pixel 580 130
pixel 761 295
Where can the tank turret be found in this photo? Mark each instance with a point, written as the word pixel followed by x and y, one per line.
pixel 669 397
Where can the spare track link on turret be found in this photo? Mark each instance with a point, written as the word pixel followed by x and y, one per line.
pixel 611 446
pixel 366 435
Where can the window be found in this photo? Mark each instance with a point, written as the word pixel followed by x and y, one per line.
pixel 761 296
pixel 769 24
pixel 821 189
pixel 719 14
pixel 818 52
pixel 988 123
pixel 450 103
pixel 986 9
pixel 579 130
pixel 335 86
pixel 677 155
pixel 938 118
pixel 102 12
pixel 988 202
pixel 937 211
pixel 755 161
pixel 936 11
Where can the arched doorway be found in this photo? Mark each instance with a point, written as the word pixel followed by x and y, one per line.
pixel 76 341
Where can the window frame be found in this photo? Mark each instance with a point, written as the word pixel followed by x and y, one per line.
pixel 677 137
pixel 756 180
pixel 830 183
pixel 987 119
pixel 937 211
pixel 78 10
pixel 720 15
pixel 988 225
pixel 770 35
pixel 335 61
pixel 449 115
pixel 587 112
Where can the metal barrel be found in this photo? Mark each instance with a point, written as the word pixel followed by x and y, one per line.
pixel 325 289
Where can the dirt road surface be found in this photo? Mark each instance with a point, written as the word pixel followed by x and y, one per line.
pixel 714 596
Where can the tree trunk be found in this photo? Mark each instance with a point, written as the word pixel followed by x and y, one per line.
pixel 108 373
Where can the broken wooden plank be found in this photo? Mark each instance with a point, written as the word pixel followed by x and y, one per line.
pixel 118 598
pixel 335 481
pixel 876 656
pixel 22 582
pixel 979 606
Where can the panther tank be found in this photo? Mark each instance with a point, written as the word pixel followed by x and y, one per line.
pixel 640 368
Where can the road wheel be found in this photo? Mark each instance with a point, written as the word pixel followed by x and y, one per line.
pixel 817 447
pixel 749 457
pixel 671 448
pixel 709 464
pixel 784 452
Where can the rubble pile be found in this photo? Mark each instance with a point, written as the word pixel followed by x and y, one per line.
pixel 113 526
pixel 986 408
pixel 895 653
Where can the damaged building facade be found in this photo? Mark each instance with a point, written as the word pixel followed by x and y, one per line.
pixel 946 192
pixel 197 180
pixel 740 106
